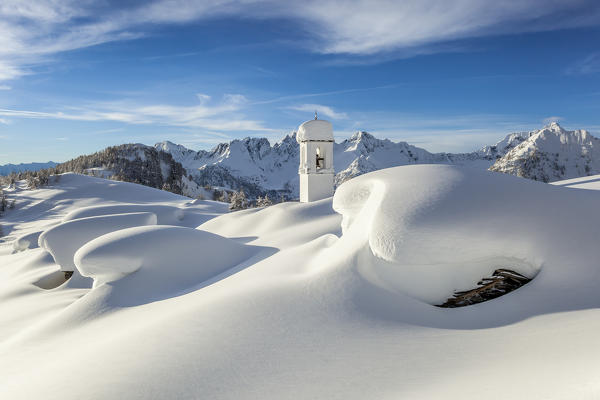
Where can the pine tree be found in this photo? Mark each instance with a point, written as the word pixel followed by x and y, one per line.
pixel 3 201
pixel 267 201
pixel 31 181
pixel 220 195
pixel 263 201
pixel 238 201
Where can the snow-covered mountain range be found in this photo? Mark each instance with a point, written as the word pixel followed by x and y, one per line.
pixel 552 154
pixel 7 169
pixel 259 168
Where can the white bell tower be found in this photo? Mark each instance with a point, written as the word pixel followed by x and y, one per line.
pixel 316 160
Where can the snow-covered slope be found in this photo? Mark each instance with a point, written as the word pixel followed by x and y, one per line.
pixel 7 169
pixel 552 154
pixel 135 163
pixel 74 197
pixel 586 182
pixel 298 301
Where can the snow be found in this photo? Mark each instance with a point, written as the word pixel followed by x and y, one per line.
pixel 412 219
pixel 281 226
pixel 253 161
pixel 300 301
pixel 548 154
pixel 100 172
pixel 113 256
pixel 63 240
pixel 319 130
pixel 552 154
pixel 505 145
pixel 27 241
pixel 585 182
pixel 166 214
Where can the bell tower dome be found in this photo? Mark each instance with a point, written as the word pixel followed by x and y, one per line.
pixel 316 160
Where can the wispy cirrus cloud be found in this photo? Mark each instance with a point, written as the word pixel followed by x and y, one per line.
pixel 320 109
pixel 323 94
pixel 587 65
pixel 32 31
pixel 368 27
pixel 225 115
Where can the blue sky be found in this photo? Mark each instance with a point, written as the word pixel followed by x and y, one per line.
pixel 77 76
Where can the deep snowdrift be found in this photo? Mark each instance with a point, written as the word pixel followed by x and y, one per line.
pixel 63 240
pixel 298 301
pixel 161 258
pixel 415 218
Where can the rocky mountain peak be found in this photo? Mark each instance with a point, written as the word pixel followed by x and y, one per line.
pixel 554 126
pixel 552 153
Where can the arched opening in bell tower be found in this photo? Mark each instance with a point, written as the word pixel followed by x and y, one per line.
pixel 320 158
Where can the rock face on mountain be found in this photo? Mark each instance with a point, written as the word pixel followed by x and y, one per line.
pixel 505 145
pixel 552 154
pixel 250 164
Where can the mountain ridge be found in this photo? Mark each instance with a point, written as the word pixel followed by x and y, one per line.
pixel 255 165
pixel 551 154
pixel 8 169
pixel 259 168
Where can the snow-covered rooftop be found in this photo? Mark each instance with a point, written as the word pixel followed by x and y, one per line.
pixel 316 129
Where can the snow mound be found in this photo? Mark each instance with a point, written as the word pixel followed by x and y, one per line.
pixel 63 240
pixel 281 225
pixel 166 259
pixel 27 241
pixel 166 215
pixel 413 219
pixel 189 214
